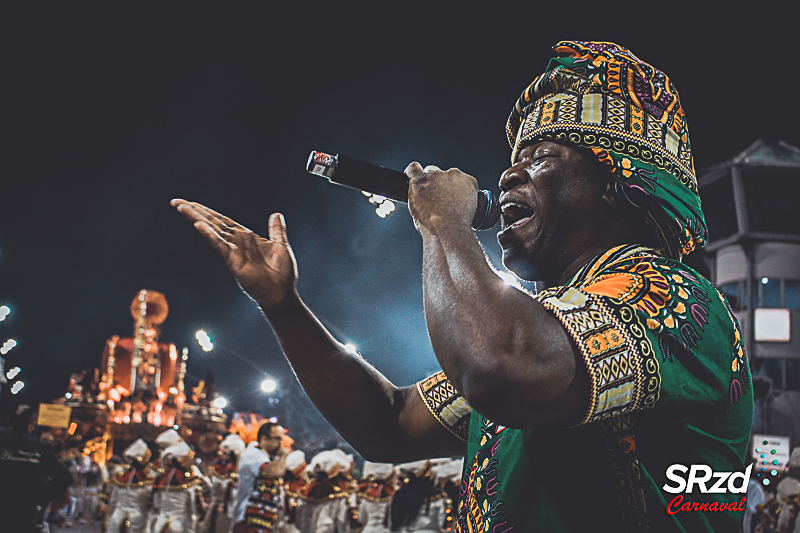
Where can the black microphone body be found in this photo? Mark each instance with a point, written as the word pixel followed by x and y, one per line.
pixel 392 184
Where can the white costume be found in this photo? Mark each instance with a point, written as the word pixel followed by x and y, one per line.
pixel 376 489
pixel 131 491
pixel 294 481
pixel 222 479
pixel 325 506
pixel 176 491
pixel 166 439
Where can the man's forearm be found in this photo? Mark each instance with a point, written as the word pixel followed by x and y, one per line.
pixel 353 396
pixel 460 292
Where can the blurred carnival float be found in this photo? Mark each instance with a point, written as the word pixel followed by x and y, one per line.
pixel 138 392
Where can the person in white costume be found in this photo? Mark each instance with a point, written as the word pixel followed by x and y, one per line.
pixel 164 440
pixel 378 485
pixel 131 491
pixel 176 491
pixel 325 505
pixel 264 460
pixel 167 439
pixel 293 482
pixel 223 476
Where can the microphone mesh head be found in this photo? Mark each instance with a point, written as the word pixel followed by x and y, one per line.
pixel 488 211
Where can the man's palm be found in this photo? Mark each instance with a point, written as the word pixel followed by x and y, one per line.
pixel 265 268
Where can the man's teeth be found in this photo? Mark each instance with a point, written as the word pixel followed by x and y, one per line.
pixel 514 212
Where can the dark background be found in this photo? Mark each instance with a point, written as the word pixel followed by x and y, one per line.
pixel 109 110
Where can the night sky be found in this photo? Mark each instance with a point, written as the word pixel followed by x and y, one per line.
pixel 109 110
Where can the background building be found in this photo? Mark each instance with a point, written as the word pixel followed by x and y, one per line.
pixel 753 255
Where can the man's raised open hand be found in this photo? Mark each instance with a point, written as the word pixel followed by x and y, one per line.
pixel 265 268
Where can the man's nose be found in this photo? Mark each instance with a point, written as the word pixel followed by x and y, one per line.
pixel 513 176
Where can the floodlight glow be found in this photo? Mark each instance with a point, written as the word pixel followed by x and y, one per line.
pixel 220 403
pixel 11 374
pixel 4 311
pixel 68 395
pixel 207 347
pixel 764 280
pixel 350 348
pixel 201 336
pixel 269 386
pixel 17 387
pixel 10 343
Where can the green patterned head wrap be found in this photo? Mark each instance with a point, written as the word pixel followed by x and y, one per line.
pixel 601 97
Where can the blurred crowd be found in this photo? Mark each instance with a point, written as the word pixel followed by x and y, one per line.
pixel 255 483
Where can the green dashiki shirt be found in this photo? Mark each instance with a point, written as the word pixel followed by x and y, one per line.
pixel 670 384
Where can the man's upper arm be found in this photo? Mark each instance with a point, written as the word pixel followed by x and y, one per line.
pixel 435 419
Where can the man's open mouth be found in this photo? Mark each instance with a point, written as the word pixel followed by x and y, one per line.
pixel 515 214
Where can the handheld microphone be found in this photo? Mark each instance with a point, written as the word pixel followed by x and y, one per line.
pixel 392 184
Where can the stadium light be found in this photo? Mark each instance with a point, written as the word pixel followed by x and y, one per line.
pixel 220 402
pixel 204 341
pixel 268 386
pixel 10 343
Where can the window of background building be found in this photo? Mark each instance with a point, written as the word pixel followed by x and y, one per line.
pixel 769 290
pixel 733 291
pixel 791 294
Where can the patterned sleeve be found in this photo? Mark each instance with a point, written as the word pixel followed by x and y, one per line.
pixel 446 404
pixel 652 332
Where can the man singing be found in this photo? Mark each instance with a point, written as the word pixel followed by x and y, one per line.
pixel 568 405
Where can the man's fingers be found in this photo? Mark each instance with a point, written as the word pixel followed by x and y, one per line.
pixel 199 213
pixel 277 228
pixel 191 211
pixel 219 218
pixel 222 246
pixel 414 170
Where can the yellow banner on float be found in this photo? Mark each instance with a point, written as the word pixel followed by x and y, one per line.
pixel 54 416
